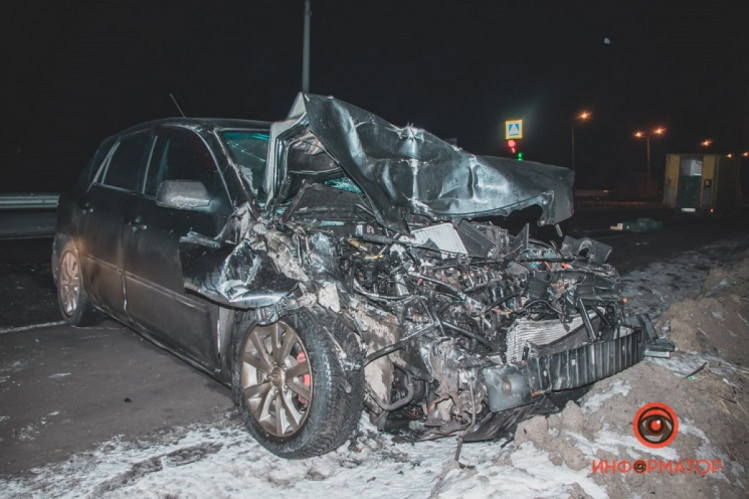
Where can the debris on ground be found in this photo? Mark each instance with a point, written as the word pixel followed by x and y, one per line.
pixel 639 225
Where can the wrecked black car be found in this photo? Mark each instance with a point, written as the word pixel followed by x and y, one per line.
pixel 333 262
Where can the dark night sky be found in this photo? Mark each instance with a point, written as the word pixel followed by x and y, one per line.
pixel 76 72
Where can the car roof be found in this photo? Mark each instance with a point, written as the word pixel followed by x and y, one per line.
pixel 199 124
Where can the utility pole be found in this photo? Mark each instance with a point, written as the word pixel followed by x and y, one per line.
pixel 305 50
pixel 582 117
pixel 647 147
pixel 646 136
pixel 573 146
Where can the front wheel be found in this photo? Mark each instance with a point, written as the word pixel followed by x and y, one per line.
pixel 292 388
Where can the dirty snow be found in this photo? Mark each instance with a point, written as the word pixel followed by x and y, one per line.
pixel 596 401
pixel 550 457
pixel 28 328
pixel 14 367
pixel 221 460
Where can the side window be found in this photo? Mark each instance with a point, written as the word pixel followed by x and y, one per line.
pixel 128 162
pixel 91 171
pixel 181 155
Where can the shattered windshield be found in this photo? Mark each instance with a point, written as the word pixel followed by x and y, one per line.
pixel 249 151
pixel 344 184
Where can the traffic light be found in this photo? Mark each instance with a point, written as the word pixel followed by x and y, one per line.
pixel 513 146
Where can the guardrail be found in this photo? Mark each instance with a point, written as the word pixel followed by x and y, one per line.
pixel 28 201
pixel 25 215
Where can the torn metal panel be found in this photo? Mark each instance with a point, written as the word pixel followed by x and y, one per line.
pixel 237 277
pixel 282 248
pixel 409 170
pixel 322 258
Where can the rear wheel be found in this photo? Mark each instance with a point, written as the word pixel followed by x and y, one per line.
pixel 293 391
pixel 74 302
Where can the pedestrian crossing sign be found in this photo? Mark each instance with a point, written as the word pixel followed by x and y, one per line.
pixel 513 129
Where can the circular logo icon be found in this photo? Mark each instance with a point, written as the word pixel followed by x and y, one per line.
pixel 656 425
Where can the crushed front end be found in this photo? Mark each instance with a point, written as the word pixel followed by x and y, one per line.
pixel 469 328
pixel 464 328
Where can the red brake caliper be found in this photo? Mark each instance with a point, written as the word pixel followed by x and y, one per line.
pixel 305 377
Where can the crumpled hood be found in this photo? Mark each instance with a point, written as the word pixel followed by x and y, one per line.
pixel 409 170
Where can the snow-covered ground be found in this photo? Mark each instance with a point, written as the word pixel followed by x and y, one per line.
pixel 221 459
pixel 653 288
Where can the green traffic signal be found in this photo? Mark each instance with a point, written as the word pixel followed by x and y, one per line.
pixel 520 156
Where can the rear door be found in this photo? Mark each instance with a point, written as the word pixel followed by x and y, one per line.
pixel 690 182
pixel 103 208
pixel 156 297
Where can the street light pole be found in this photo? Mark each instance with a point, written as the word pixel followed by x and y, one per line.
pixel 646 136
pixel 647 146
pixel 582 117
pixel 573 145
pixel 305 49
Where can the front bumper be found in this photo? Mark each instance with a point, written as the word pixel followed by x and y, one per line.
pixel 515 385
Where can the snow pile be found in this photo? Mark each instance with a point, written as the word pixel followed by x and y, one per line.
pixel 600 429
pixel 551 456
pixel 705 383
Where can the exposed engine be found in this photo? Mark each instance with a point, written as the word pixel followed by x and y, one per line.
pixel 448 313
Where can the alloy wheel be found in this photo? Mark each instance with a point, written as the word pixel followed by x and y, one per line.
pixel 276 378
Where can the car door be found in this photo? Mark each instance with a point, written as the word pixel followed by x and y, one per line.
pixel 103 208
pixel 154 284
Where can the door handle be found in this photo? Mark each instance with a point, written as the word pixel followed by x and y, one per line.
pixel 137 224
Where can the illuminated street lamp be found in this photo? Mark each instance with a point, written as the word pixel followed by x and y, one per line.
pixel 583 116
pixel 706 143
pixel 646 135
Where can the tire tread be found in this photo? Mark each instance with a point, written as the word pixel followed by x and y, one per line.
pixel 340 414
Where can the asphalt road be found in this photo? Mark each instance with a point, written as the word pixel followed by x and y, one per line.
pixel 65 390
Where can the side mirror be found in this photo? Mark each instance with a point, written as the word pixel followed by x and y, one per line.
pixel 182 195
